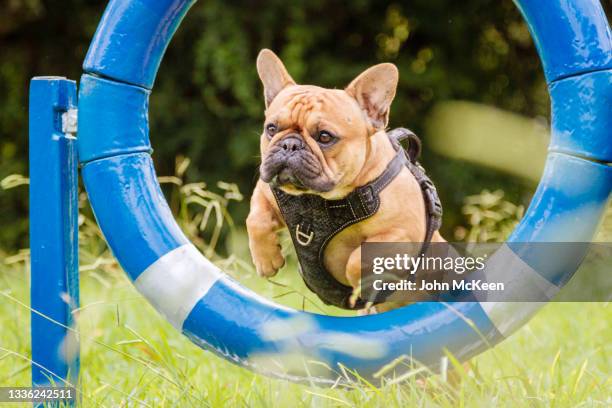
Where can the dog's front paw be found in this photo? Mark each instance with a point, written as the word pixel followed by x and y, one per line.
pixel 269 262
pixel 263 243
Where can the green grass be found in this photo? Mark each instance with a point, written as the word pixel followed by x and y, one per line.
pixel 130 356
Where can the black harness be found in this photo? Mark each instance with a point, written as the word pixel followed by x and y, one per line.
pixel 313 221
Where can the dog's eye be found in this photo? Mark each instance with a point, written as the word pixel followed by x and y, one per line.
pixel 325 137
pixel 271 129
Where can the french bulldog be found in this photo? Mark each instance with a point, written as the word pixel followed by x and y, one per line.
pixel 329 142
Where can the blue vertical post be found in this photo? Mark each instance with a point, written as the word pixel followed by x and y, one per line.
pixel 53 230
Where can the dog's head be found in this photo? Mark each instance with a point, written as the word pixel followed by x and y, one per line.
pixel 315 140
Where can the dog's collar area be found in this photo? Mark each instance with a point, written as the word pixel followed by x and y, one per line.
pixel 313 221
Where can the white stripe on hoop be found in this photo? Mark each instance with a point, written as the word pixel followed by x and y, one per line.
pixel 177 281
pixel 520 281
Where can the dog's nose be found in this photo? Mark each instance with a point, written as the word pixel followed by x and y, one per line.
pixel 292 144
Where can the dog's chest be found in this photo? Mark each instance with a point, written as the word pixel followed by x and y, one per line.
pixel 327 234
pixel 314 221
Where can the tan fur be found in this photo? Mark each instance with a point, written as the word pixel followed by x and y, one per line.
pixel 359 115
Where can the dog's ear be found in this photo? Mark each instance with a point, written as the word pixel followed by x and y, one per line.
pixel 273 74
pixel 374 90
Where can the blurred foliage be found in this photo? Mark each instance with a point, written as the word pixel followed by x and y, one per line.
pixel 207 101
pixel 201 212
pixel 491 137
pixel 490 218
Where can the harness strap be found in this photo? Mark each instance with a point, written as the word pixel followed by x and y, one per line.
pixel 379 183
pixel 433 205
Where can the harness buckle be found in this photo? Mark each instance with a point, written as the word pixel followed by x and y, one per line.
pixel 303 238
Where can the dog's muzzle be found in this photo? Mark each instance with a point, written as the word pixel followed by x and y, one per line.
pixel 290 161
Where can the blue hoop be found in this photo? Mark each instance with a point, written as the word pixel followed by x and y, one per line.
pixel 220 315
